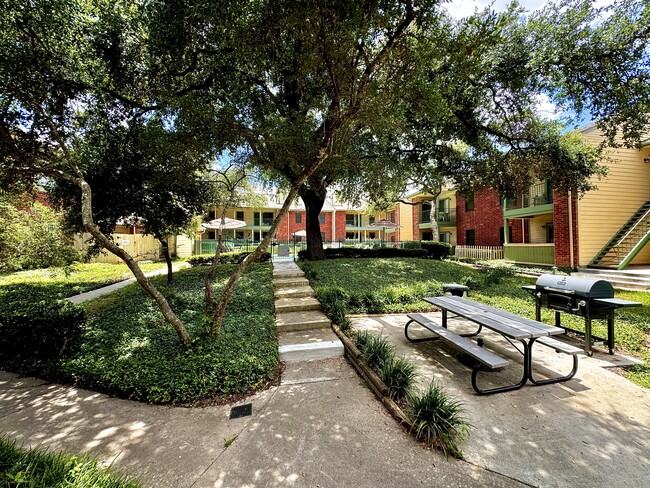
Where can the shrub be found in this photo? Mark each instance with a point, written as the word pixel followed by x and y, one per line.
pixel 361 339
pixel 436 250
pixel 32 332
pixel 382 252
pixel 495 271
pixel 471 282
pixel 398 375
pixel 411 245
pixel 225 258
pixel 438 420
pixel 41 468
pixel 377 351
pixel 334 304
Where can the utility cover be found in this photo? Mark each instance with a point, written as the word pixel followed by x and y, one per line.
pixel 241 411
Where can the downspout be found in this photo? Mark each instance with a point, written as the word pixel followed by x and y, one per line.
pixel 570 204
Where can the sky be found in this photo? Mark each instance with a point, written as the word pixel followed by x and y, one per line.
pixel 463 8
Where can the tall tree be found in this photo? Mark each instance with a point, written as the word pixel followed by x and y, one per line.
pixel 68 52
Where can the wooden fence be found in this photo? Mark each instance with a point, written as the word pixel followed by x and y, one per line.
pixel 479 252
pixel 141 247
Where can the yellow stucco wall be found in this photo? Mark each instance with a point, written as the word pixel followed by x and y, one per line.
pixel 603 211
pixel 405 221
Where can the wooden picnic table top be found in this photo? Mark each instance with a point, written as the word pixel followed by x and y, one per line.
pixel 505 323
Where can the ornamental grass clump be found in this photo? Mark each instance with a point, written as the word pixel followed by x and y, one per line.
pixel 438 420
pixel 377 351
pixel 399 375
pixel 361 338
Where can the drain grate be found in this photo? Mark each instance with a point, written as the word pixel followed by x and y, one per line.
pixel 241 411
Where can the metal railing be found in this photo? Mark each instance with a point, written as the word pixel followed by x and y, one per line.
pixel 537 194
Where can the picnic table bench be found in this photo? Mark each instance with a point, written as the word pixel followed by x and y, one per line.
pixel 511 326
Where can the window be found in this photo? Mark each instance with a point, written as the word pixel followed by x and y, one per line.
pixel 321 218
pixel 351 235
pixel 470 237
pixel 239 215
pixel 298 218
pixel 445 237
pixel 469 204
pixel 426 236
pixel 371 219
pixel 256 218
pixel 392 238
pixel 392 216
pixel 267 218
pixel 239 234
pixel 212 214
pixel 371 235
pixel 501 240
pixel 350 220
pixel 425 212
pixel 322 236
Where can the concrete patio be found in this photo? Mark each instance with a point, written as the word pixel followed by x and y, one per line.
pixel 593 430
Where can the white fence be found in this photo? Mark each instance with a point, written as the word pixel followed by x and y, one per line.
pixel 479 252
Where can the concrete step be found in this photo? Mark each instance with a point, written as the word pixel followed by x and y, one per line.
pixel 305 320
pixel 290 273
pixel 306 336
pixel 284 305
pixel 312 351
pixel 288 282
pixel 294 292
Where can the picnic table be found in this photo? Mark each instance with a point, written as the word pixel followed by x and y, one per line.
pixel 511 326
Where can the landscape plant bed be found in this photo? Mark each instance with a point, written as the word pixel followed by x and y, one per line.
pixel 40 468
pixel 377 286
pixel 67 281
pixel 126 348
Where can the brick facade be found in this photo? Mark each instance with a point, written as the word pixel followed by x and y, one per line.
pixel 339 225
pixel 486 219
pixel 286 230
pixel 561 229
pixel 416 222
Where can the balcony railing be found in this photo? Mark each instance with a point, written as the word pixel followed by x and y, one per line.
pixel 530 253
pixel 538 194
pixel 448 215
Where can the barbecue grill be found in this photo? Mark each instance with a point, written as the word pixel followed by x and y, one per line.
pixel 591 299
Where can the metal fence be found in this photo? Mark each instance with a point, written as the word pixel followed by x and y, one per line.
pixel 288 250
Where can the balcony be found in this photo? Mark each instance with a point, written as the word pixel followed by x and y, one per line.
pixel 446 218
pixel 537 200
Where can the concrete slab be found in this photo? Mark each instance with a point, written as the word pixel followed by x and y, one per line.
pixel 312 351
pixel 332 432
pixel 591 431
pixel 294 292
pixel 306 336
pixel 293 321
pixel 283 305
pixel 322 427
pixel 296 281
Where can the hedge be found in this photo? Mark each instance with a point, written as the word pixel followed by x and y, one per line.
pixel 226 258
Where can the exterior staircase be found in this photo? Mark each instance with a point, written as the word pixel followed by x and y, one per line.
pixel 632 278
pixel 627 242
pixel 304 332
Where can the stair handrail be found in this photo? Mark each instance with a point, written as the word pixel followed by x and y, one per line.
pixel 638 221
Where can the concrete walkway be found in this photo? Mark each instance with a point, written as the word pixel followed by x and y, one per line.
pixel 89 295
pixel 593 430
pixel 322 427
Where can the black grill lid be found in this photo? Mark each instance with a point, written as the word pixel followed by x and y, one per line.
pixel 583 287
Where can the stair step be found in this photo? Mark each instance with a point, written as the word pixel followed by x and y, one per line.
pixel 295 281
pixel 290 273
pixel 294 292
pixel 283 305
pixel 311 351
pixel 304 320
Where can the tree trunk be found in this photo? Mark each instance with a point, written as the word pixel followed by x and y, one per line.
pixel 168 260
pixel 314 201
pixel 435 233
pixel 217 256
pixel 143 281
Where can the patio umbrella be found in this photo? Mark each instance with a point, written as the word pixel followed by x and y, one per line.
pixel 227 224
pixel 385 224
pixel 300 233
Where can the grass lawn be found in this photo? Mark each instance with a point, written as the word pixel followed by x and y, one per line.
pixel 39 468
pixel 128 350
pixel 68 281
pixel 396 286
